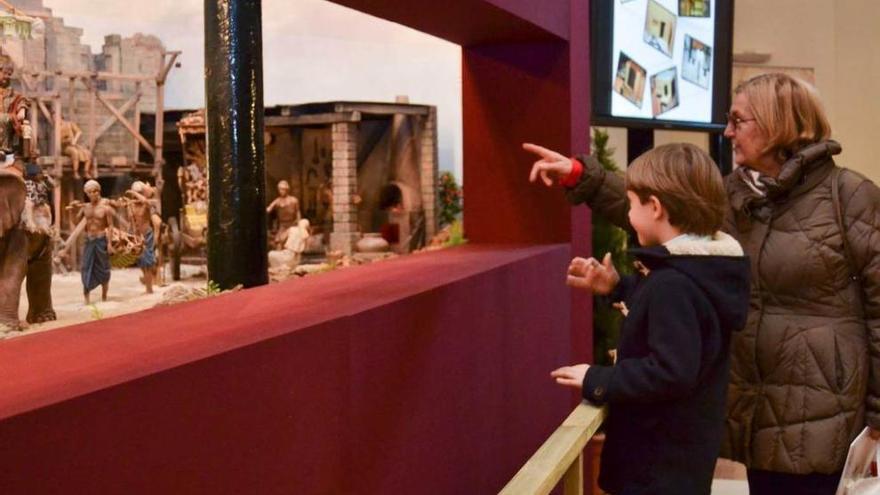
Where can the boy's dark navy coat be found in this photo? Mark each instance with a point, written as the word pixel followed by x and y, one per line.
pixel 666 394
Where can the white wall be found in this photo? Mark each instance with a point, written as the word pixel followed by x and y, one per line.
pixel 856 101
pixel 840 39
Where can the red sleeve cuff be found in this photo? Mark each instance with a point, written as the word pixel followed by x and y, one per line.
pixel 577 169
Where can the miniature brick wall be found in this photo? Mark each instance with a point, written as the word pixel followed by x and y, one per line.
pixel 429 171
pixel 345 228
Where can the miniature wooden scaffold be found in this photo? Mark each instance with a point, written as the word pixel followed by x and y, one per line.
pixel 48 104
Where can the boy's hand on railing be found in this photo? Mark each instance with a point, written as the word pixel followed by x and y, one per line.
pixel 589 274
pixel 552 165
pixel 571 376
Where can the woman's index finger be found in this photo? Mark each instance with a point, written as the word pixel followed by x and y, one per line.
pixel 538 150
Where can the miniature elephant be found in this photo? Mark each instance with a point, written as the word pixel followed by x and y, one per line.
pixel 22 254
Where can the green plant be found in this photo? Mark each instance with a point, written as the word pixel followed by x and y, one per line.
pixel 456 234
pixel 607 239
pixel 97 314
pixel 212 288
pixel 450 196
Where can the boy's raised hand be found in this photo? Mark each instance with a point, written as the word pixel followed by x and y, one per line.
pixel 571 376
pixel 552 165
pixel 589 274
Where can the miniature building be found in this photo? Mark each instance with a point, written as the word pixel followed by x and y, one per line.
pixel 353 152
pixel 341 159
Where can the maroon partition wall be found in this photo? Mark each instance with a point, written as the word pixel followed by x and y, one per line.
pixel 428 374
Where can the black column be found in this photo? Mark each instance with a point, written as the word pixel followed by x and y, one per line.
pixel 638 141
pixel 237 248
pixel 721 151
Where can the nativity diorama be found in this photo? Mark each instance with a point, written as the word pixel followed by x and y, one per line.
pixel 103 212
pixel 349 183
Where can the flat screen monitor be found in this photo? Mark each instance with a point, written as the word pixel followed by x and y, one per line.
pixel 661 63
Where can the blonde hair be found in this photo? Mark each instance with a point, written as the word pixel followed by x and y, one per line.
pixel 787 110
pixel 686 181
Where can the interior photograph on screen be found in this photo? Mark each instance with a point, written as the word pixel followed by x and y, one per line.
pixel 660 27
pixel 694 8
pixel 658 55
pixel 630 80
pixel 664 91
pixel 696 65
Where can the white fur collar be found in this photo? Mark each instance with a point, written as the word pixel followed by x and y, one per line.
pixel 719 244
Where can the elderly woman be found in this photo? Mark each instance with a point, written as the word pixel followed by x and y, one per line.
pixel 805 373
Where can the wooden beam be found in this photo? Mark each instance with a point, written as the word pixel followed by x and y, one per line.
pixel 42 95
pixel 159 138
pixel 163 72
pixel 56 153
pixel 35 124
pixel 92 75
pixel 72 96
pixel 50 160
pixel 111 120
pixel 27 83
pixel 93 96
pixel 107 96
pixel 159 133
pixel 137 120
pixel 315 119
pixel 573 480
pixel 125 123
pixel 45 111
pixel 543 471
pixel 381 109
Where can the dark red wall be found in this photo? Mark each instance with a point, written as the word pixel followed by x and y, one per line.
pixel 428 374
pixel 475 22
pixel 513 94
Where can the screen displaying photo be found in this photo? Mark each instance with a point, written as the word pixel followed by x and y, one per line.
pixel 655 41
pixel 697 64
pixel 660 27
pixel 664 91
pixel 694 8
pixel 630 80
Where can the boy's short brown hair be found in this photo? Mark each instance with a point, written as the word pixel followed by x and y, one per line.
pixel 787 110
pixel 686 181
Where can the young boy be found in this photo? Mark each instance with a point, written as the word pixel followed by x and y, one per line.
pixel 666 393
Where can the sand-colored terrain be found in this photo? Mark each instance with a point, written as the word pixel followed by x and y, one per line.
pixel 126 295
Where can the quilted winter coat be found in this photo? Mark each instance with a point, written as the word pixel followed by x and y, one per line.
pixel 805 371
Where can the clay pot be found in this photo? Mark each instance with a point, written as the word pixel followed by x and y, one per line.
pixel 372 243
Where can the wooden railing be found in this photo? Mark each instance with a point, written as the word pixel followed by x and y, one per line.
pixel 561 457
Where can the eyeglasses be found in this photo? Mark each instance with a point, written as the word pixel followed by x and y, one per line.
pixel 736 122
